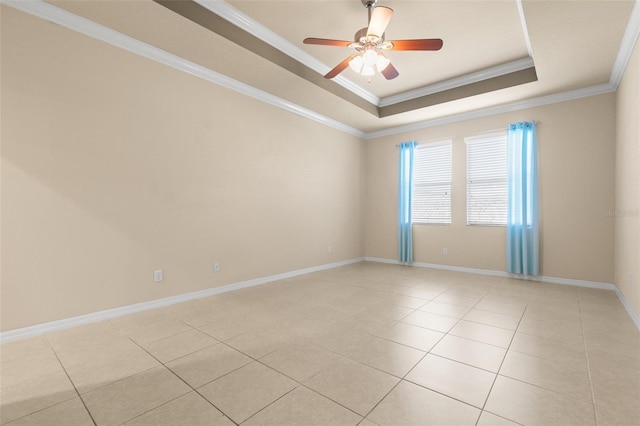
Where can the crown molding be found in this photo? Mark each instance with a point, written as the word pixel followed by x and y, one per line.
pixel 485 74
pixel 253 27
pixel 629 40
pixel 92 29
pixel 499 109
pixel 525 30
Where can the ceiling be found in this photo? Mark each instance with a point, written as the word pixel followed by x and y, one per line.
pixel 496 54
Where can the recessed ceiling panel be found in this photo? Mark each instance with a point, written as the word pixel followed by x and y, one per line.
pixel 476 34
pixel 574 45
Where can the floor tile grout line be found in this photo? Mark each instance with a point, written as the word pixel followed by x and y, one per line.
pixel 332 400
pixel 383 398
pixel 354 360
pixel 234 370
pixel 71 381
pixel 182 380
pixel 527 383
pixel 490 325
pixel 503 359
pixel 298 383
pixel 462 363
pixel 342 356
pixel 562 395
pixel 395 322
pixel 141 347
pixel 306 340
pixel 155 408
pixel 448 333
pixel 39 410
pixel 302 384
pixel 270 404
pixel 404 378
pixel 520 351
pixel 514 331
pixel 386 339
pixel 445 395
pixel 57 403
pixel 478 341
pixel 582 318
pixel 586 354
pixel 546 389
pixel 502 417
pixel 473 307
pixel 118 380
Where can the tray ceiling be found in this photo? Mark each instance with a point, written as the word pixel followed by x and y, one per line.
pixel 495 53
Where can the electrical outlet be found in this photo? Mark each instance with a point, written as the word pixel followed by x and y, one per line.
pixel 329 249
pixel 157 275
pixel 216 267
pixel 445 250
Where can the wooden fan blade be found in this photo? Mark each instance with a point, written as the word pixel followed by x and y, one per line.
pixel 326 42
pixel 380 18
pixel 390 72
pixel 340 67
pixel 418 44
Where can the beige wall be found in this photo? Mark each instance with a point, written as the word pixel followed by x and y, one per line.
pixel 576 166
pixel 627 219
pixel 114 165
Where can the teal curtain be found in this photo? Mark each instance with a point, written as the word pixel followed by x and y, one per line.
pixel 522 200
pixel 405 192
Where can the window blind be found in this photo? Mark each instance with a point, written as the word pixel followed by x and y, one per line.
pixel 487 179
pixel 431 201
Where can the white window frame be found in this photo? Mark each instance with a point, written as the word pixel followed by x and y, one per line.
pixel 487 179
pixel 431 201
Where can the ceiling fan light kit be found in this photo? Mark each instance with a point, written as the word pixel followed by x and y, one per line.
pixel 364 63
pixel 369 43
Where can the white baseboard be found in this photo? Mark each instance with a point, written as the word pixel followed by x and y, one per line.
pixel 438 266
pixel 503 274
pixel 634 316
pixel 552 280
pixel 48 327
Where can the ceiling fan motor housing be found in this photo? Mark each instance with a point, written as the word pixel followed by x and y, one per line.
pixel 363 42
pixel 370 43
pixel 361 37
pixel 360 34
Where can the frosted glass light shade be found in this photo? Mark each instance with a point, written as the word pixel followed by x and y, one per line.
pixel 382 62
pixel 356 64
pixel 370 57
pixel 367 70
pixel 367 62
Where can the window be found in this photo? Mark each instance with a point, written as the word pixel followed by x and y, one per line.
pixel 431 201
pixel 487 179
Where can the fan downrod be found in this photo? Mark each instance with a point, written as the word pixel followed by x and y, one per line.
pixel 369 4
pixel 369 44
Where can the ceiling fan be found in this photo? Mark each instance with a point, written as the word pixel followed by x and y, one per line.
pixel 370 44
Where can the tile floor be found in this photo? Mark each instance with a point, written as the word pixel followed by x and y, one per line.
pixel 366 344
